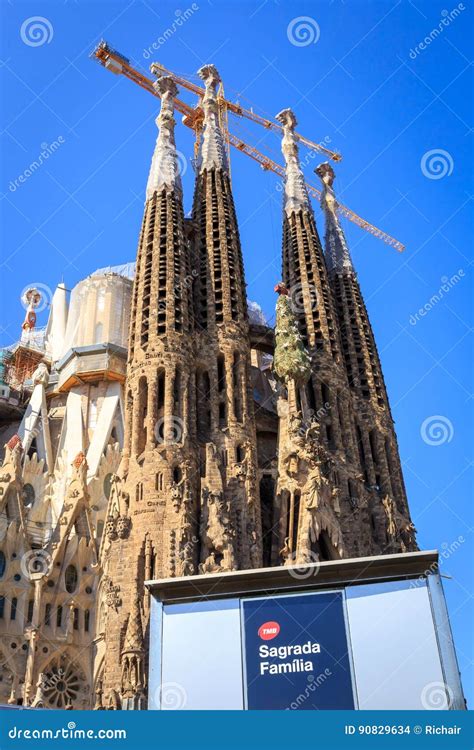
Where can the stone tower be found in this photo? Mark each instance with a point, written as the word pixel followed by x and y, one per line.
pixel 153 508
pixel 116 471
pixel 225 428
pixel 317 456
pixel 186 497
pixel 340 489
pixel 391 527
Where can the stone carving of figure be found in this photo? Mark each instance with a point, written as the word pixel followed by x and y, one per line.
pixel 41 685
pixel 216 535
pixel 285 552
pixel 313 488
pixel 407 536
pixel 292 465
pixel 177 495
pixel 387 503
pixel 186 556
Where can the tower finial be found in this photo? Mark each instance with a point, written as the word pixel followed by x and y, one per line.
pixel 164 170
pixel 212 152
pixel 30 299
pixel 296 195
pixel 337 253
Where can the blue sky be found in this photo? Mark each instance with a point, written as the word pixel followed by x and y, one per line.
pixel 398 113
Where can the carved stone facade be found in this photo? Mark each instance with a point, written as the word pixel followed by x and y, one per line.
pixel 340 489
pixel 189 464
pixel 218 444
pixel 55 484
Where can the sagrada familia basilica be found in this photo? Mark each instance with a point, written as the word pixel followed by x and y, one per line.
pixel 158 427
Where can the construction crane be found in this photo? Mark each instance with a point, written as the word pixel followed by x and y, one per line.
pixel 193 118
pixel 159 70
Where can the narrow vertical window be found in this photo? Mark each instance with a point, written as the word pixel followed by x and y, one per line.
pixel 237 387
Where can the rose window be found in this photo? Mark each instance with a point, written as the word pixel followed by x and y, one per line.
pixel 63 683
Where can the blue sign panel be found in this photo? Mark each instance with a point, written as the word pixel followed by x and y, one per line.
pixel 296 653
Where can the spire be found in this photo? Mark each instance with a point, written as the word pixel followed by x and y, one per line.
pixel 56 328
pixel 212 152
pixel 337 253
pixel 296 195
pixel 134 635
pixel 164 170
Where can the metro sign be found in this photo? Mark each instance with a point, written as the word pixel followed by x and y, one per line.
pixel 268 630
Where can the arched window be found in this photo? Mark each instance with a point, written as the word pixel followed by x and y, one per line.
pixel 323 549
pixel 296 518
pixel 47 615
pixel 141 426
pixel 2 607
pixel 177 393
pixel 325 395
pixel 31 605
pixel 87 618
pixel 220 373
pixel 59 617
pixel 13 608
pixel 3 564
pixel 28 495
pixel 70 579
pixel 237 387
pixel 292 503
pixel 310 396
pixel 267 491
pixel 107 484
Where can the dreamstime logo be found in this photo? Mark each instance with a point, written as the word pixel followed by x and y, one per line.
pixel 313 684
pixel 36 562
pixel 172 696
pixel 437 696
pixel 436 164
pixel 306 569
pixel 447 284
pixel 437 430
pixel 180 20
pixel 43 296
pixel 169 430
pixel 303 31
pixel 36 31
pixel 298 293
pixel 47 149
pixel 447 549
pixel 447 17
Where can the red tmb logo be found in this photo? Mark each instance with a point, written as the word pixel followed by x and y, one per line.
pixel 268 630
